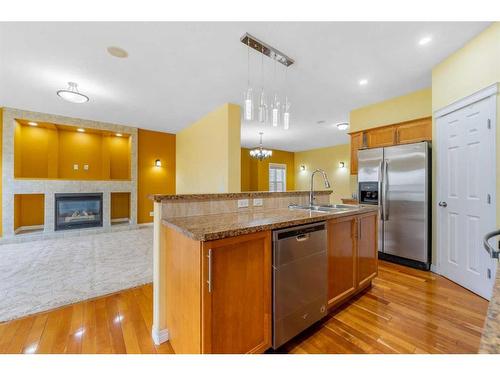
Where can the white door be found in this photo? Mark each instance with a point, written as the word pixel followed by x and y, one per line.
pixel 466 194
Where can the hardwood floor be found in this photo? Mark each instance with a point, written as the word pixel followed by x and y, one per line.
pixel 406 311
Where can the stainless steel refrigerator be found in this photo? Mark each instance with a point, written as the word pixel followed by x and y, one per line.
pixel 397 179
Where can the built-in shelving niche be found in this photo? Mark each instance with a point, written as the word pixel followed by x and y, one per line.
pixel 54 151
pixel 29 213
pixel 120 208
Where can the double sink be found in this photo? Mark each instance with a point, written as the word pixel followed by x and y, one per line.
pixel 324 208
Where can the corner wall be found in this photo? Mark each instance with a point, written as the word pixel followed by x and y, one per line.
pixel 150 179
pixel 208 156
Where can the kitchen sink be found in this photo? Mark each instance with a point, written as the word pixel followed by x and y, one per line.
pixel 324 208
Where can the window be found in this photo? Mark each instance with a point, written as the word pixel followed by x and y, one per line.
pixel 277 177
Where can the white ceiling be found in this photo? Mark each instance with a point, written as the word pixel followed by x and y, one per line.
pixel 177 72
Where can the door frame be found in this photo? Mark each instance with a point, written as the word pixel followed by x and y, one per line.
pixel 487 92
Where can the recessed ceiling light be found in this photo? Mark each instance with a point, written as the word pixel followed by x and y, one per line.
pixel 363 82
pixel 342 126
pixel 80 130
pixel 32 123
pixel 119 134
pixel 71 94
pixel 425 40
pixel 117 52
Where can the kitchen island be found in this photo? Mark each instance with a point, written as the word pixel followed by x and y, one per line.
pixel 213 273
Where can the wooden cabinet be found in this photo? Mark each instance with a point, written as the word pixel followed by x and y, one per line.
pixel 414 131
pixel 367 249
pixel 342 259
pixel 405 132
pixel 381 137
pixel 236 294
pixel 356 144
pixel 352 255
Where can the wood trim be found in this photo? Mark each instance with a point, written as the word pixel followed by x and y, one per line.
pixel 468 100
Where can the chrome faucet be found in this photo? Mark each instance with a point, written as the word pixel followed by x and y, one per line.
pixel 311 192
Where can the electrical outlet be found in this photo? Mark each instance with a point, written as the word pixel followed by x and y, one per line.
pixel 86 167
pixel 242 203
pixel 152 213
pixel 257 202
pixel 75 167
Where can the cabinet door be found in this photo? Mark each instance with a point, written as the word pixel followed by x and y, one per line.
pixel 356 144
pixel 414 131
pixel 236 295
pixel 381 137
pixel 367 248
pixel 342 279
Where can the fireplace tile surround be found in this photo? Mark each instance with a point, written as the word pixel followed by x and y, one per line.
pixel 50 187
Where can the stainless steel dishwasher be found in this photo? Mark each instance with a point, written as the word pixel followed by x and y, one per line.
pixel 299 279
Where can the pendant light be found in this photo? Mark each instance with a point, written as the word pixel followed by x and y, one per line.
pixel 260 153
pixel 262 99
pixel 248 106
pixel 286 106
pixel 71 94
pixel 275 106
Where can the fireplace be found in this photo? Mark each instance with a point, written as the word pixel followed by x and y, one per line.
pixel 79 210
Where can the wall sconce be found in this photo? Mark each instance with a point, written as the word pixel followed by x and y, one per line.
pixel 341 164
pixel 302 167
pixel 158 163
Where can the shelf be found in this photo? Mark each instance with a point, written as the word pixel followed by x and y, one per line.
pixel 29 213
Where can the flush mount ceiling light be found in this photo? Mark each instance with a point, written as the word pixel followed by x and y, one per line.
pixel 32 123
pixel 342 125
pixel 260 153
pixel 71 94
pixel 117 52
pixel 425 40
pixel 363 82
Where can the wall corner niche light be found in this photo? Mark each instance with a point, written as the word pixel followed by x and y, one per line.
pixel 32 123
pixel 158 163
pixel 302 168
pixel 119 134
pixel 80 130
pixel 72 95
pixel 341 164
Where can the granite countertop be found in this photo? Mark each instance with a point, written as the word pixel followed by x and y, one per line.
pixel 218 226
pixel 243 195
pixel 490 340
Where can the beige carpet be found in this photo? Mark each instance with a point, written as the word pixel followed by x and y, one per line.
pixel 41 275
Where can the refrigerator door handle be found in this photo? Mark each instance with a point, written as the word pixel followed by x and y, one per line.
pixel 385 211
pixel 380 187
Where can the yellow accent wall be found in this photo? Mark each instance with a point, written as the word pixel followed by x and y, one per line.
pixel 328 159
pixel 208 156
pixel 150 179
pixel 1 163
pixel 28 210
pixel 120 205
pixel 407 107
pixel 470 69
pixel 255 174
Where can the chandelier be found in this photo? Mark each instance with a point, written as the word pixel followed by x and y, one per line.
pixel 260 153
pixel 277 112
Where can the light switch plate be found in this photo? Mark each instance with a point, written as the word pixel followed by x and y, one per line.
pixel 151 213
pixel 86 167
pixel 242 203
pixel 257 202
pixel 75 167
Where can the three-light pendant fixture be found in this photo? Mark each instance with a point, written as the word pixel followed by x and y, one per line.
pixel 276 112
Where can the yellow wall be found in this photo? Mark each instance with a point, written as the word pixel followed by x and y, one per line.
pixel 208 153
pixel 328 159
pixel 1 153
pixel 412 106
pixel 472 68
pixel 255 174
pixel 120 205
pixel 28 210
pixel 150 179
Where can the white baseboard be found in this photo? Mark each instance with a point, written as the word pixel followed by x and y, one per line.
pixel 121 220
pixel 159 336
pixel 145 225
